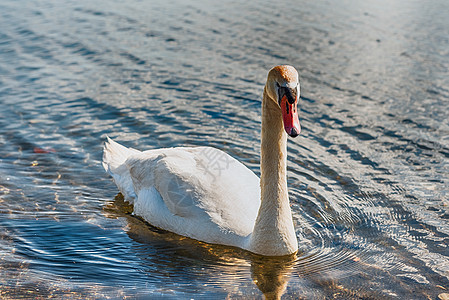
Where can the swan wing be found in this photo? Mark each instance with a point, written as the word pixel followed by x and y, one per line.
pixel 200 192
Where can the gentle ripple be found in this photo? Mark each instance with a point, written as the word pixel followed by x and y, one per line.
pixel 368 177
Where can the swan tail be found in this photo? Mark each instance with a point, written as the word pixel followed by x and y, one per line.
pixel 115 155
pixel 114 162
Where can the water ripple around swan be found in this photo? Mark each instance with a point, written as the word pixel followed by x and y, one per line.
pixel 367 177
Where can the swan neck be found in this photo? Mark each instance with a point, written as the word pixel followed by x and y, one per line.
pixel 273 233
pixel 273 153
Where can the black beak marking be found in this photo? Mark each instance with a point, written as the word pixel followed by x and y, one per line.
pixel 289 93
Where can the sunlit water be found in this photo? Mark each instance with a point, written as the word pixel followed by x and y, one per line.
pixel 368 177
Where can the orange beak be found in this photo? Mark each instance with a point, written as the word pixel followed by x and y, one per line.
pixel 290 115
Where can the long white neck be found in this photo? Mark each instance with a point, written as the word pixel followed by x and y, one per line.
pixel 273 233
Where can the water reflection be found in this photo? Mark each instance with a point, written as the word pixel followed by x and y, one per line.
pixel 271 275
pixel 181 261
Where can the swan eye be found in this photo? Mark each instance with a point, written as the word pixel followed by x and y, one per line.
pixel 278 87
pixel 278 92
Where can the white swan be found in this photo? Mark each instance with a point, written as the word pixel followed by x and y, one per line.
pixel 205 194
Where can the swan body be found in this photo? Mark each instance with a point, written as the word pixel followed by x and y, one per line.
pixel 199 192
pixel 205 194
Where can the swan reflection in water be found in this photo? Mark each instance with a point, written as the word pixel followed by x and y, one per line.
pixel 179 264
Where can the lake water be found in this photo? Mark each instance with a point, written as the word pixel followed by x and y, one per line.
pixel 368 176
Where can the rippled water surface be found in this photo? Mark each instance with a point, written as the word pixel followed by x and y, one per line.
pixel 368 177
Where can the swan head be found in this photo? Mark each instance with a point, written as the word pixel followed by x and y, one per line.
pixel 283 88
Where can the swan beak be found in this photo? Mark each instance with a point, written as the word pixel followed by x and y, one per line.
pixel 288 102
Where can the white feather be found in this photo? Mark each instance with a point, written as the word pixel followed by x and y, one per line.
pixel 201 192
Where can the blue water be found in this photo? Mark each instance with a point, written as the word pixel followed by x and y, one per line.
pixel 368 177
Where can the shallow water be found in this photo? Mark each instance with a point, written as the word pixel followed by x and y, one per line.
pixel 368 177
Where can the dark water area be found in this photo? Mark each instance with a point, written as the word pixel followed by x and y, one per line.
pixel 368 176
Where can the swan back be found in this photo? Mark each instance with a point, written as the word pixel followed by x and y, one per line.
pixel 200 192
